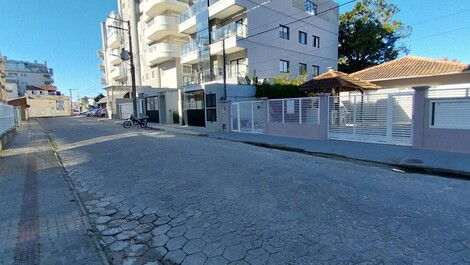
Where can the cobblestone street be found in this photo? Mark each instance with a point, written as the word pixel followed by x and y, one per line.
pixel 155 197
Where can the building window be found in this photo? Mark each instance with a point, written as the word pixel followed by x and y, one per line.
pixel 316 41
pixel 310 7
pixel 315 70
pixel 302 69
pixel 211 107
pixel 302 37
pixel 284 32
pixel 284 66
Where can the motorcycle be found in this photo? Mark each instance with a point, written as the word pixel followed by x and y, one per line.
pixel 142 122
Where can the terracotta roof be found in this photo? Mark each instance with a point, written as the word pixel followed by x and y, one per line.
pixel 335 81
pixel 47 88
pixel 411 66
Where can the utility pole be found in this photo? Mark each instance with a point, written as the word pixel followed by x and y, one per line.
pixel 134 88
pixel 131 59
pixel 224 54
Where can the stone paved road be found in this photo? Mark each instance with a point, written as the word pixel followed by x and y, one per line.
pixel 40 222
pixel 162 198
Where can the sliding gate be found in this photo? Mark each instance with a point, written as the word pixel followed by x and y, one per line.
pixel 375 118
pixel 248 116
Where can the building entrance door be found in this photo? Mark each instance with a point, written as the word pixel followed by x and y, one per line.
pixel 194 108
pixel 152 109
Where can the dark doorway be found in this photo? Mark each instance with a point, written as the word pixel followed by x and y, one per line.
pixel 152 109
pixel 193 106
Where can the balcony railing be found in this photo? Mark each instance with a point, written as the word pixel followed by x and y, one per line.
pixel 237 72
pixel 188 48
pixel 229 30
pixel 192 11
pixel 211 2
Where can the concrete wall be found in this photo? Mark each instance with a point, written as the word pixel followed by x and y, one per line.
pixel 424 136
pixel 48 106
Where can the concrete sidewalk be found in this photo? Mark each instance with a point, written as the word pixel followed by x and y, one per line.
pixel 401 156
pixel 40 220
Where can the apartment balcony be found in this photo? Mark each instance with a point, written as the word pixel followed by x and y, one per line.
pixel 100 54
pixel 117 73
pixel 189 53
pixel 160 27
pixel 103 81
pixel 232 33
pixel 162 52
pixel 114 39
pixel 152 8
pixel 102 68
pixel 223 9
pixel 114 57
pixel 188 18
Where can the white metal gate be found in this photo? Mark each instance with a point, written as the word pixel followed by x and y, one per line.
pixel 125 110
pixel 375 118
pixel 248 116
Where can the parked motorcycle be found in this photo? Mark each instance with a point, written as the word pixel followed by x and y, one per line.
pixel 142 122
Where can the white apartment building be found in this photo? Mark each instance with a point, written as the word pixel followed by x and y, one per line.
pixel 181 48
pixel 3 88
pixel 24 74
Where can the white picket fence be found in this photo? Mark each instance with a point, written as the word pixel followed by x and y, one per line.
pixel 7 118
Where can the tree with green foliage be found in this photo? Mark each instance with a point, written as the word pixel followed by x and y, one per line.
pixel 281 87
pixel 369 35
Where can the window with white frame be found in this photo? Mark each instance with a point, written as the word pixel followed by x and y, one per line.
pixel 310 7
pixel 450 114
pixel 284 66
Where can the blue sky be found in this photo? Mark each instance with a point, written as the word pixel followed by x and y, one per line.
pixel 67 35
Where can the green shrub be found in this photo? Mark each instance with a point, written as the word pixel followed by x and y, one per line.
pixel 281 87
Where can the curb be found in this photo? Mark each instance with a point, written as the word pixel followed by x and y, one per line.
pixel 405 167
pixel 85 218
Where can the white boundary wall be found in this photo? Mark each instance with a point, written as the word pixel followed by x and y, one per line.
pixel 7 118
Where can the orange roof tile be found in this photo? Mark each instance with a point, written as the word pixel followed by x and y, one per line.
pixel 411 66
pixel 336 81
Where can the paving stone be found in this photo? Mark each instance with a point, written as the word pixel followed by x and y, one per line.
pixel 129 225
pixel 108 239
pixel 108 212
pixel 143 238
pixel 137 250
pixel 176 231
pixel 217 261
pixel 116 223
pixel 160 252
pixel 195 259
pixel 126 235
pixel 102 204
pixel 134 216
pixel 214 249
pixel 149 218
pixel 102 220
pixel 162 220
pixel 160 240
pixel 161 230
pixel 194 246
pixel 111 231
pixel 150 210
pixel 233 253
pixel 144 228
pixel 96 210
pixel 176 243
pixel 174 257
pixel 194 233
pixel 118 245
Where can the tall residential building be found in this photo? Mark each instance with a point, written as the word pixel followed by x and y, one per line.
pixel 185 46
pixel 3 89
pixel 23 74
